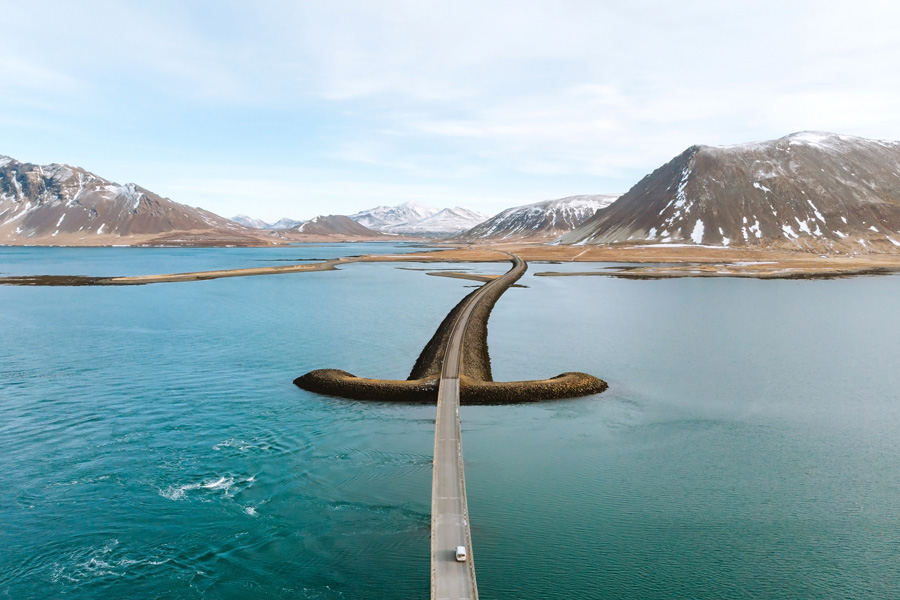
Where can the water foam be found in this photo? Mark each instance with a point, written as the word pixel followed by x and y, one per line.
pixel 180 492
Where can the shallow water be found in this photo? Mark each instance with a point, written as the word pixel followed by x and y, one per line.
pixel 153 446
pixel 111 261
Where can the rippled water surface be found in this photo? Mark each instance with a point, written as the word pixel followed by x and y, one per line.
pixel 152 444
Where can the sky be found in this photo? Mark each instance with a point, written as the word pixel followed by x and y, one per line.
pixel 298 108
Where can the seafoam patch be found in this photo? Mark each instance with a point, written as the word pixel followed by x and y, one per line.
pixel 225 486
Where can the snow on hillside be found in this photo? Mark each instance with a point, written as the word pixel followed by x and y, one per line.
pixel 250 222
pixel 381 218
pixel 51 202
pixel 810 191
pixel 446 222
pixel 545 220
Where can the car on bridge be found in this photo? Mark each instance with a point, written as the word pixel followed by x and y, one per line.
pixel 461 553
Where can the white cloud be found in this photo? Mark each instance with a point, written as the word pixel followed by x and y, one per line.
pixel 485 101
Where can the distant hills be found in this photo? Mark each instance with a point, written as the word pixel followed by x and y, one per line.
pixel 281 224
pixel 415 218
pixel 809 191
pixel 336 225
pixel 543 220
pixel 321 225
pixel 381 218
pixel 444 223
pixel 409 218
pixel 252 223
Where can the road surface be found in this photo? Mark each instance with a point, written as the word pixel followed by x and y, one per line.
pixel 451 579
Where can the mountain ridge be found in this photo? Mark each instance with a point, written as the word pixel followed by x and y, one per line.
pixel 336 225
pixel 444 223
pixel 70 203
pixel 808 191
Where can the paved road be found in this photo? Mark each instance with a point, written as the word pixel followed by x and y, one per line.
pixel 451 579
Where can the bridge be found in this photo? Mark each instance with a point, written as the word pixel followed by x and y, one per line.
pixel 451 579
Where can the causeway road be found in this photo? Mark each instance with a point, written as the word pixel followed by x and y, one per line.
pixel 451 579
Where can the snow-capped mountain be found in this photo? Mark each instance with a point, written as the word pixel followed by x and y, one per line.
pixel 542 220
pixel 283 223
pixel 250 222
pixel 381 218
pixel 57 202
pixel 809 191
pixel 446 222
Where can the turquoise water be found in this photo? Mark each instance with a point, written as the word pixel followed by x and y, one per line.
pixel 152 444
pixel 110 262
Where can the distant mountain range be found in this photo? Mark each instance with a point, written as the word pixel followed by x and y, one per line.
pixel 281 224
pixel 543 220
pixel 409 218
pixel 64 205
pixel 443 223
pixel 808 191
pixel 414 218
pixel 381 218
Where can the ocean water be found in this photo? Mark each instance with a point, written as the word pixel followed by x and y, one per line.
pixel 152 444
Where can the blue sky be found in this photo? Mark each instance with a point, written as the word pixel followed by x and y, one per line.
pixel 302 108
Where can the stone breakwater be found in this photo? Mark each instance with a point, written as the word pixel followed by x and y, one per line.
pixel 476 383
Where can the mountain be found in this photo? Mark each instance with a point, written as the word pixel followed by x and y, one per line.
pixel 260 224
pixel 335 225
pixel 810 191
pixel 382 217
pixel 444 223
pixel 542 220
pixel 64 204
pixel 285 223
pixel 250 222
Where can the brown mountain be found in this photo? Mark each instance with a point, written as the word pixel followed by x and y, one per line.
pixel 336 225
pixel 817 192
pixel 59 204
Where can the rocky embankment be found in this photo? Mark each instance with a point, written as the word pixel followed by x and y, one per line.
pixel 476 384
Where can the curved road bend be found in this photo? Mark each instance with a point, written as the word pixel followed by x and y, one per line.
pixel 449 513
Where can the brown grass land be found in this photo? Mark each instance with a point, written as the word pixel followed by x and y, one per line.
pixel 636 262
pixel 659 261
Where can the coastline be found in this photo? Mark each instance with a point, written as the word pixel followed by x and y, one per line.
pixel 634 262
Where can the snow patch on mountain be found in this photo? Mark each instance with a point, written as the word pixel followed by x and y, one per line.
pixel 791 193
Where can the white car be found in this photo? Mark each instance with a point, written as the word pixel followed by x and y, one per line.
pixel 461 553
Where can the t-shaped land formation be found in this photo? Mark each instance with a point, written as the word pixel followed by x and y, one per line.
pixel 476 383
